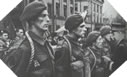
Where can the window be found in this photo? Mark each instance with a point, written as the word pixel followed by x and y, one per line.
pixel 65 0
pixel 94 17
pixel 97 8
pixel 94 7
pixel 100 19
pixel 76 7
pixel 65 11
pixel 101 9
pixel 57 9
pixel 71 1
pixel 49 9
pixel 85 8
pixel 71 10
pixel 97 18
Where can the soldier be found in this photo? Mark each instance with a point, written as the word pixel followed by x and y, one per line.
pixel 109 40
pixel 109 44
pixel 69 58
pixel 97 59
pixel 34 56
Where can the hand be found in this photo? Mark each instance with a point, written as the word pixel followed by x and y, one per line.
pixel 106 58
pixel 77 65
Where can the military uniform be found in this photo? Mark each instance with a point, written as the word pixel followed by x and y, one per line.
pixel 69 59
pixel 98 59
pixel 96 62
pixel 63 59
pixel 42 64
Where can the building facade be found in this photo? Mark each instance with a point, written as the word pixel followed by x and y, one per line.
pixel 94 18
pixel 58 10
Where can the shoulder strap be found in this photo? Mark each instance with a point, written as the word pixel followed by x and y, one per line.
pixel 70 48
pixel 32 51
pixel 95 59
pixel 51 52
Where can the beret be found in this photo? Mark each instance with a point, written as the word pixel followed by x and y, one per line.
pixel 92 37
pixel 32 10
pixel 104 30
pixel 73 22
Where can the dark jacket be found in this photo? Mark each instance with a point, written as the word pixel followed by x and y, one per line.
pixel 96 62
pixel 120 55
pixel 63 59
pixel 42 64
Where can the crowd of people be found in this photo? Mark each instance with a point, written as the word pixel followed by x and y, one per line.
pixel 35 53
pixel 6 42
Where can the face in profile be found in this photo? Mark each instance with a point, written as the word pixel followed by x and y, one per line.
pixel 5 36
pixel 20 33
pixel 42 21
pixel 99 42
pixel 108 36
pixel 81 30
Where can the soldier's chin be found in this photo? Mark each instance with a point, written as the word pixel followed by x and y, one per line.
pixel 82 36
pixel 45 29
pixel 99 46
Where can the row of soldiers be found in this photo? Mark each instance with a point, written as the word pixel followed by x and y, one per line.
pixel 37 56
pixel 91 57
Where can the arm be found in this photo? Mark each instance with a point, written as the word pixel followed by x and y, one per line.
pixel 108 62
pixel 21 58
pixel 87 70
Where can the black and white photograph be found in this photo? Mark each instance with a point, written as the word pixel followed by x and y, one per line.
pixel 63 38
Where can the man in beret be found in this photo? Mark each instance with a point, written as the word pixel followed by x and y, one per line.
pixel 109 44
pixel 94 45
pixel 69 58
pixel 34 56
pixel 106 33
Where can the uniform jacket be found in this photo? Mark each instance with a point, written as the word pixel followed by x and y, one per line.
pixel 42 64
pixel 96 62
pixel 63 59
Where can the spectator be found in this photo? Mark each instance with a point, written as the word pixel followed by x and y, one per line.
pixel 19 34
pixel 5 38
pixel 3 45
